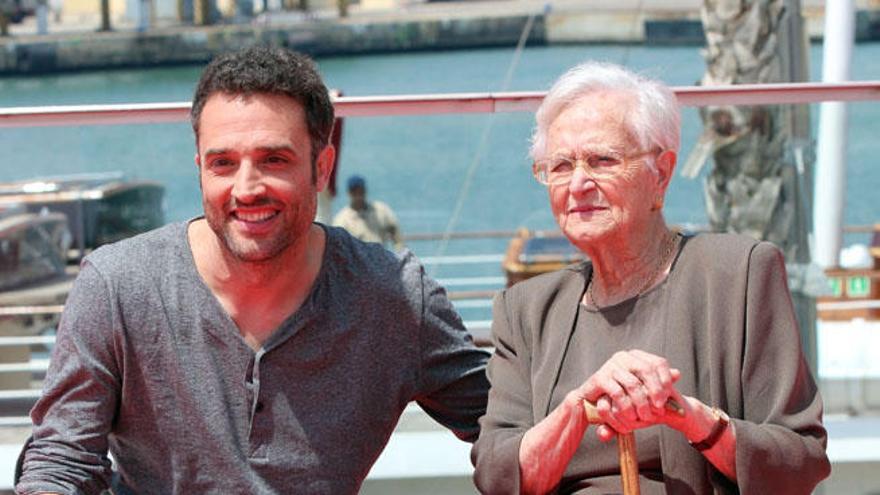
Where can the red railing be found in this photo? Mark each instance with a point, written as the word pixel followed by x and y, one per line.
pixel 372 106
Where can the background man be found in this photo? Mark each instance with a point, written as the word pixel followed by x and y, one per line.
pixel 250 350
pixel 369 221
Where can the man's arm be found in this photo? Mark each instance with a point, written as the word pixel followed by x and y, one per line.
pixel 389 224
pixel 394 232
pixel 453 385
pixel 68 453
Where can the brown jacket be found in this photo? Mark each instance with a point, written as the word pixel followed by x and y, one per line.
pixel 734 337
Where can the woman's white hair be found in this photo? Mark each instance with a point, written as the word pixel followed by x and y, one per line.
pixel 655 123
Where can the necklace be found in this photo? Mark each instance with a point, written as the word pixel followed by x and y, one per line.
pixel 670 243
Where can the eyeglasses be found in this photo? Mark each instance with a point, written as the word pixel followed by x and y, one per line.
pixel 558 170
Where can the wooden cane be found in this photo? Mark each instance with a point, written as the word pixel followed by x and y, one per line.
pixel 626 447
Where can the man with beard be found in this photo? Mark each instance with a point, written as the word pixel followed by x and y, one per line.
pixel 250 350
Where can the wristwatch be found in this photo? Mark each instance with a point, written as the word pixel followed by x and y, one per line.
pixel 721 422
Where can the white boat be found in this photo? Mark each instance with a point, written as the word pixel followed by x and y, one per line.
pixel 100 208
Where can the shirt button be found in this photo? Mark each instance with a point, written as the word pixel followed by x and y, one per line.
pixel 259 407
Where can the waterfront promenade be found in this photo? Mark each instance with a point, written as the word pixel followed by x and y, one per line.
pixel 73 43
pixel 623 12
pixel 622 15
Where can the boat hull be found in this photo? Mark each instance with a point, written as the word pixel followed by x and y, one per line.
pixel 33 248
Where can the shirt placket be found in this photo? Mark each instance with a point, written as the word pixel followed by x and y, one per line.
pixel 260 429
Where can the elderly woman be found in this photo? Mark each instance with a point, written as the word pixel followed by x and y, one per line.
pixel 704 321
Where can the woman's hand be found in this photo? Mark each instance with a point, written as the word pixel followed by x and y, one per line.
pixel 630 392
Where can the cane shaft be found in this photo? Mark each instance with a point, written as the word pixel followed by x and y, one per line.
pixel 629 463
pixel 626 449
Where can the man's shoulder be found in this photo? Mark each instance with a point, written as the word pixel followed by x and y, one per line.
pixel 384 213
pixel 343 216
pixel 380 207
pixel 348 249
pixel 140 252
pixel 353 258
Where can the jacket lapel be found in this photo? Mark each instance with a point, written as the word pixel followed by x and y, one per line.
pixel 556 334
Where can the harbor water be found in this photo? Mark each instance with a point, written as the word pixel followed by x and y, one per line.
pixel 419 164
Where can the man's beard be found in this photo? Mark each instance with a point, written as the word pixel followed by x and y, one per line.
pixel 295 224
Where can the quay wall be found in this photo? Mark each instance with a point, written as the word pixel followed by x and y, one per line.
pixel 195 45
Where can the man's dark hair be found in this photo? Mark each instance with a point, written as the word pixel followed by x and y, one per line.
pixel 279 71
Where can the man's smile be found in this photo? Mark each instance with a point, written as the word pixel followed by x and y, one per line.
pixel 254 216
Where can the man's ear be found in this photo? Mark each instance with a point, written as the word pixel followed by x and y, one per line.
pixel 198 162
pixel 324 167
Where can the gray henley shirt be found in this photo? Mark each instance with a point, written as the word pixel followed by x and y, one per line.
pixel 148 365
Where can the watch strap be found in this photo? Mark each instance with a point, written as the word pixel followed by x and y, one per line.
pixel 721 423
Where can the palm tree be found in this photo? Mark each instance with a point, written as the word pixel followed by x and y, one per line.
pixel 763 155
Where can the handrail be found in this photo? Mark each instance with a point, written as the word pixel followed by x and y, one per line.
pixel 31 310
pixel 372 106
pixel 479 329
pixel 22 341
pixel 509 234
pixel 486 234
